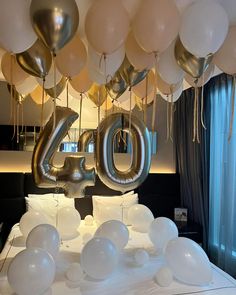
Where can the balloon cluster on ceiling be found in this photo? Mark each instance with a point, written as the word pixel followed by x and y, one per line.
pixel 119 48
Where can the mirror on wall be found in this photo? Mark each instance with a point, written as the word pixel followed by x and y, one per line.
pixel 28 136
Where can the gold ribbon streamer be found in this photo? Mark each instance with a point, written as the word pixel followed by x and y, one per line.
pixel 156 56
pixel 67 92
pixel 171 114
pixel 145 105
pixel 42 107
pixel 195 115
pixel 11 89
pixel 232 109
pixel 202 107
pixel 80 112
pixel 54 90
pixel 130 113
pixel 17 122
pixel 167 118
pixel 22 118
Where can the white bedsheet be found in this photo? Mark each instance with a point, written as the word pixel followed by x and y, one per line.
pixel 128 279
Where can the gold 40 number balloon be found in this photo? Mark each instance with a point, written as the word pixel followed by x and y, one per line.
pixel 73 176
pixel 141 157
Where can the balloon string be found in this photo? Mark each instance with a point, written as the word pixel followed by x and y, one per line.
pixel 80 112
pixel 202 107
pixel 11 89
pixel 156 55
pixel 54 91
pixel 130 110
pixel 17 122
pixel 22 118
pixel 194 114
pixel 232 109
pixel 67 93
pixel 42 106
pixel 167 118
pixel 197 117
pixel 145 105
pixel 171 114
pixel 14 118
pixel 143 110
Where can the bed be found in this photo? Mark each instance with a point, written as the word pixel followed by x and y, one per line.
pixel 128 279
pixel 159 192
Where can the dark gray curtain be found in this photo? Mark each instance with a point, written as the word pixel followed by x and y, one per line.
pixel 192 160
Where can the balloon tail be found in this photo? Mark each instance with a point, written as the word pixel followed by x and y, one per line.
pixel 80 112
pixel 232 109
pixel 42 106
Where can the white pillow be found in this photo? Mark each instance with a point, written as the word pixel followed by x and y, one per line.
pixel 48 204
pixel 113 207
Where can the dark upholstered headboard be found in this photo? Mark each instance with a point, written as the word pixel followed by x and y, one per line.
pixel 12 202
pixel 159 192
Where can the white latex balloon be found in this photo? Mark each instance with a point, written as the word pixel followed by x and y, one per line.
pixel 188 262
pixel 29 220
pixel 16 31
pixel 75 273
pixel 140 217
pixel 116 231
pixel 96 76
pixel 99 258
pixel 68 222
pixel 125 104
pixel 204 27
pixel 110 64
pixel 168 68
pixel 230 8
pixel 176 95
pixel 141 257
pixel 164 276
pixel 27 86
pixel 88 220
pixel 161 231
pixel 44 236
pixel 31 271
pixel 49 80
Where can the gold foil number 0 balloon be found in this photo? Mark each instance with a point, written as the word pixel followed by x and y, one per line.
pixel 141 155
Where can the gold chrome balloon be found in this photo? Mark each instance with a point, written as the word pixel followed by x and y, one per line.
pixel 130 74
pixel 36 60
pixel 97 93
pixel 54 92
pixel 193 65
pixel 73 176
pixel 116 87
pixel 141 156
pixel 55 21
pixel 86 138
